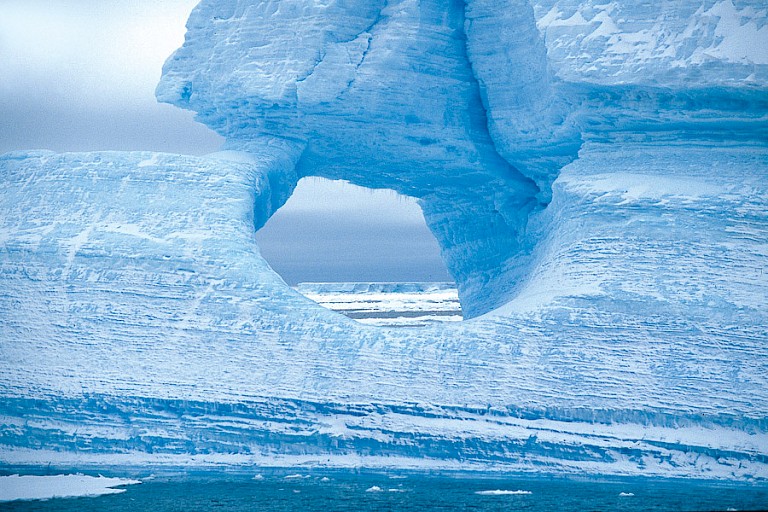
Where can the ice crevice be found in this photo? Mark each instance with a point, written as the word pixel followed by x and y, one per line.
pixel 356 49
pixel 347 45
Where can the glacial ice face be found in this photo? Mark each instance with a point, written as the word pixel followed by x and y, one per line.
pixel 151 331
pixel 630 333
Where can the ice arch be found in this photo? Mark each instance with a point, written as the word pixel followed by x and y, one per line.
pixel 389 95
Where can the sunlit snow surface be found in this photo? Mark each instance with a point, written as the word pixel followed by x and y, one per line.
pixel 607 234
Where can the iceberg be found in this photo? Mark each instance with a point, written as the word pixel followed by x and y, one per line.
pixel 595 175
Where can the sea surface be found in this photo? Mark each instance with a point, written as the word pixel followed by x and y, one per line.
pixel 307 490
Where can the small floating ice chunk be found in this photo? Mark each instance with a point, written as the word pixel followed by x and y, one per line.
pixel 396 490
pixel 501 492
pixel 258 477
pixel 626 494
pixel 375 488
pixel 295 477
pixel 325 479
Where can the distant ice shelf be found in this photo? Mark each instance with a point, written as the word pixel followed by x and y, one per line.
pixel 388 304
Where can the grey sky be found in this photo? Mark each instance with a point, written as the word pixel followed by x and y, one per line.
pixel 334 231
pixel 80 75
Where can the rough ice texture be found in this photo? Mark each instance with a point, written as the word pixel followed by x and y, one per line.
pixel 606 228
pixel 666 43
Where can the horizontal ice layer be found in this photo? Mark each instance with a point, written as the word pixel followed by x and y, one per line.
pixel 278 433
pixel 134 330
pixel 367 288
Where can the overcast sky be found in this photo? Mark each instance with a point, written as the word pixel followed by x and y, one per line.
pixel 80 76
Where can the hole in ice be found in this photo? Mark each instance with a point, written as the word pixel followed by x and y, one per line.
pixel 365 253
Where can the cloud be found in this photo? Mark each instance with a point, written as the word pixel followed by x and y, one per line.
pixel 78 75
pixel 335 231
pixel 331 197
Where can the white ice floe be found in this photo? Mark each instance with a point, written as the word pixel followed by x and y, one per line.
pixel 374 488
pixel 295 477
pixel 29 487
pixel 500 492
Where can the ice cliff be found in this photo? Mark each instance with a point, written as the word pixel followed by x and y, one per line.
pixel 594 173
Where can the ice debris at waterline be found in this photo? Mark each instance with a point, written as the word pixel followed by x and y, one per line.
pixel 595 175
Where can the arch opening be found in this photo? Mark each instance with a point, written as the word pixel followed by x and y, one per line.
pixel 366 253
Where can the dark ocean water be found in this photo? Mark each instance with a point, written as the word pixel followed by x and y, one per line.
pixel 338 491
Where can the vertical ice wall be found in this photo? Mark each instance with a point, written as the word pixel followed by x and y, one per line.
pixel 528 111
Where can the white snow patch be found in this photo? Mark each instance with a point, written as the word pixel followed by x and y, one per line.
pixel 150 162
pixel 238 157
pixel 739 38
pixel 633 187
pixel 135 230
pixel 576 20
